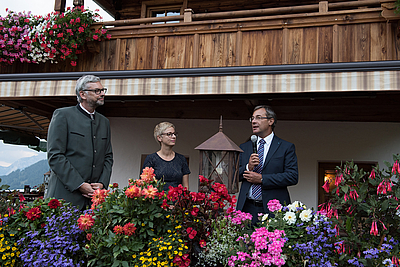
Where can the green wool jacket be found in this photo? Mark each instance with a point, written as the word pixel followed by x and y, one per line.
pixel 78 150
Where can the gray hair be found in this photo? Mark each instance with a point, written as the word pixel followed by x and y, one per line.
pixel 81 84
pixel 160 128
pixel 269 112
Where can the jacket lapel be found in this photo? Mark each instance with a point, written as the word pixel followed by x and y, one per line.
pixel 276 142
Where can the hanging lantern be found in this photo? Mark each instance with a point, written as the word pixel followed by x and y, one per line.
pixel 219 160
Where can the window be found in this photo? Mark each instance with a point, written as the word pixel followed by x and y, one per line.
pixel 153 9
pixel 164 12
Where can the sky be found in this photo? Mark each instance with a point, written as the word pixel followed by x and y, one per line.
pixel 11 153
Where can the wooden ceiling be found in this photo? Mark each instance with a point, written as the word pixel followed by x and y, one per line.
pixel 355 107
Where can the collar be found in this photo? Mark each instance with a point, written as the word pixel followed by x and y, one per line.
pixel 80 104
pixel 267 139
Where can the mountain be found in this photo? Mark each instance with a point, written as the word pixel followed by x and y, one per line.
pixel 21 164
pixel 32 176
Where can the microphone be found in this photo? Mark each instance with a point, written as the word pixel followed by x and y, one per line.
pixel 254 141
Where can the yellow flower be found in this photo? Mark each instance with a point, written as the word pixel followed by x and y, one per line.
pixel 134 256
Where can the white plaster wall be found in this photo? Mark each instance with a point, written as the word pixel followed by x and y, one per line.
pixel 315 141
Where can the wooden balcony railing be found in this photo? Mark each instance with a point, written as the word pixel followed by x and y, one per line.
pixel 348 31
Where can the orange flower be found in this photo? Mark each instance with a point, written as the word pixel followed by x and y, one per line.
pixel 148 175
pixel 149 192
pixel 133 192
pixel 85 222
pixel 99 196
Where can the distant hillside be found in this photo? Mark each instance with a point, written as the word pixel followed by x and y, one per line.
pixel 32 176
pixel 21 164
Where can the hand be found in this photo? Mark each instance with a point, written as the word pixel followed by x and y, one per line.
pixel 252 177
pixel 253 161
pixel 86 190
pixel 96 186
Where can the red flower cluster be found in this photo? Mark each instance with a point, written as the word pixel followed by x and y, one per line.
pixel 183 261
pixel 128 229
pixel 195 210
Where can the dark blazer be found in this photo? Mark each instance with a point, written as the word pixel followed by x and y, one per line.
pixel 78 150
pixel 279 172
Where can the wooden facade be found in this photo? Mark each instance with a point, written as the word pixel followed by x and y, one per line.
pixel 209 36
pixel 352 31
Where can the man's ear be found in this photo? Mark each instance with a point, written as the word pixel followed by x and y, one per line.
pixel 82 94
pixel 271 121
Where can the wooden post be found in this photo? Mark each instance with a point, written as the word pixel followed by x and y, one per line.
pixel 196 40
pixel 323 7
pixel 335 43
pixel 239 44
pixel 285 39
pixel 187 16
pixel 59 5
pixel 117 62
pixel 155 53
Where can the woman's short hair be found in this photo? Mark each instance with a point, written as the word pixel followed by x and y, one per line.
pixel 81 84
pixel 160 128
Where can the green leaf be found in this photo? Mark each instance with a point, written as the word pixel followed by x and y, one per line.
pixel 385 205
pixel 349 223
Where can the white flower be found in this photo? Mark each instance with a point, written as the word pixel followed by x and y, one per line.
pixel 305 215
pixel 296 204
pixel 265 217
pixel 290 217
pixel 398 212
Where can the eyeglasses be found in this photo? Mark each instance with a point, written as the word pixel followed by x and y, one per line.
pixel 258 118
pixel 97 91
pixel 170 134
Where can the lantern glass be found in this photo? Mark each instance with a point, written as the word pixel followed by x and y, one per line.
pixel 221 167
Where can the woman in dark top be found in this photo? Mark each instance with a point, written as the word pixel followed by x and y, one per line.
pixel 168 165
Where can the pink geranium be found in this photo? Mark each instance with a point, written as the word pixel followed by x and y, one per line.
pixel 274 205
